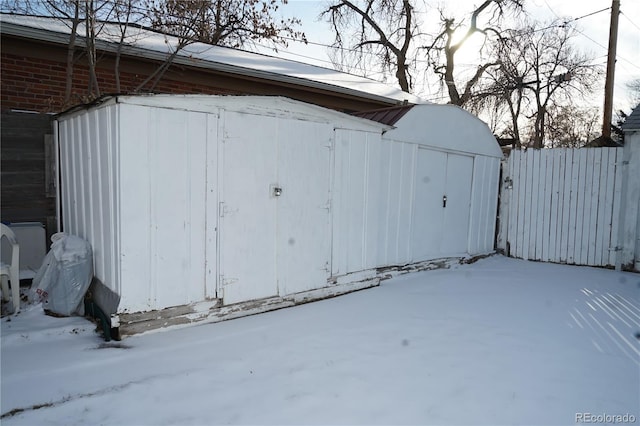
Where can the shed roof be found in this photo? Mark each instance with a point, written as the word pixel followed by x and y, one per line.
pixel 276 106
pixel 388 116
pixel 157 46
pixel 446 127
pixel 632 123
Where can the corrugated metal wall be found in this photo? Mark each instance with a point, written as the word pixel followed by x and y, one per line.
pixel 381 216
pixel 89 187
pixel 484 204
pixel 356 201
pixel 143 184
pixel 397 172
pixel 163 190
pixel 137 191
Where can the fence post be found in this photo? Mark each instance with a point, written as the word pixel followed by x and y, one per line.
pixel 629 203
pixel 504 186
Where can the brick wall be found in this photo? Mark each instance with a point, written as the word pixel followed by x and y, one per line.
pixel 33 78
pixel 38 84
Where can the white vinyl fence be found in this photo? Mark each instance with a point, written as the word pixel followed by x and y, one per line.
pixel 562 205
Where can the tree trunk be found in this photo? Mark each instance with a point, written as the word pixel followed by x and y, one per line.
pixel 401 74
pixel 71 47
pixel 94 90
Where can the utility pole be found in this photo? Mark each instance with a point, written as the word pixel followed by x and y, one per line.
pixel 611 69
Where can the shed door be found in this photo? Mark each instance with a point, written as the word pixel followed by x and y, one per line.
pixel 455 240
pixel 248 213
pixel 274 244
pixel 304 236
pixel 441 204
pixel 428 214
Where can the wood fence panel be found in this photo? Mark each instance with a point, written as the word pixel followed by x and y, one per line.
pixel 546 209
pixel 565 201
pixel 538 207
pixel 555 214
pixel 562 205
pixel 592 241
pixel 609 188
pixel 27 193
pixel 521 170
pixel 528 192
pixel 617 195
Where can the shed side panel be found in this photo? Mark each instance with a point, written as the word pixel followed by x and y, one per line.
pixel 356 201
pixel 428 213
pixel 163 195
pixel 135 215
pixel 484 199
pixel 303 232
pixel 178 196
pixel 398 163
pixel 249 215
pixel 87 148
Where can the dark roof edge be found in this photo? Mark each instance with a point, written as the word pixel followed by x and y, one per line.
pixel 389 116
pixel 632 122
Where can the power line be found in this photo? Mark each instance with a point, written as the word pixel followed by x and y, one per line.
pixel 629 19
pixel 566 22
pixel 552 11
pixel 599 44
pixel 286 52
pixel 606 48
pixel 588 14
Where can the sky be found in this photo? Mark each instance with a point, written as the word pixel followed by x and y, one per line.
pixel 592 36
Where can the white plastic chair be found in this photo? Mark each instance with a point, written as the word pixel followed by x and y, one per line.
pixel 11 272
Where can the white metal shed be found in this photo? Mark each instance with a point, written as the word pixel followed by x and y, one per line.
pixel 449 162
pixel 199 206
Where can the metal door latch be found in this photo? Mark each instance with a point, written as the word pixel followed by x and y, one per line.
pixel 444 201
pixel 277 191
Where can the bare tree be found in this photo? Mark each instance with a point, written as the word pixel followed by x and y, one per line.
pixel 69 12
pixel 232 23
pixel 503 94
pixel 571 126
pixel 387 33
pixel 442 51
pixel 91 9
pixel 125 13
pixel 83 18
pixel 633 87
pixel 384 29
pixel 620 116
pixel 539 73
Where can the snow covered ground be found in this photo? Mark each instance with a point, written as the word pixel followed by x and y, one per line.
pixel 501 341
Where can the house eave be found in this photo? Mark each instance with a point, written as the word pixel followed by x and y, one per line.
pixel 54 37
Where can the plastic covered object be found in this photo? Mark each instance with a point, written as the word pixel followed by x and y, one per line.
pixel 65 276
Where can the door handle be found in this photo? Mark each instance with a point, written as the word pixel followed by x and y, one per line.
pixel 444 201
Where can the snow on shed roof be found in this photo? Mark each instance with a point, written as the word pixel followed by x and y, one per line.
pixel 154 45
pixel 632 123
pixel 446 127
pixel 276 106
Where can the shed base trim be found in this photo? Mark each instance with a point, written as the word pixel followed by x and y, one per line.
pixel 212 311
